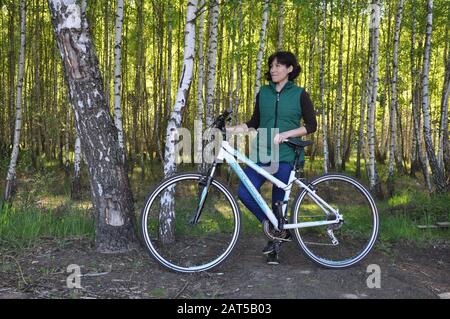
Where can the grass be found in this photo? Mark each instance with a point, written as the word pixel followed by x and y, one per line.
pixel 22 226
pixel 42 207
pixel 401 215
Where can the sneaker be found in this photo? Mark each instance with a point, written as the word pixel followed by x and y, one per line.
pixel 270 247
pixel 272 258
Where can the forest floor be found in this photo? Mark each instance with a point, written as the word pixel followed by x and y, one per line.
pixel 407 271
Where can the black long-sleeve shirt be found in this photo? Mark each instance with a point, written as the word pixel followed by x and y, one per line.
pixel 308 114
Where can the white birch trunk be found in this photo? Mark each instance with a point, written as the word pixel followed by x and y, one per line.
pixel 219 60
pixel 443 152
pixel 66 159
pixel 201 63
pixel 159 107
pixel 312 51
pixel 338 153
pixel 438 175
pixel 169 59
pixel 322 89
pixel 76 185
pixel 167 215
pixel 11 175
pixel 418 156
pixel 76 181
pixel 110 189
pixel 363 90
pixel 422 157
pixel 77 157
pixel 211 58
pixel 83 13
pixel 239 64
pixel 280 27
pixel 373 93
pixel 231 48
pixel 393 108
pixel 118 78
pixel 262 36
pixel 211 61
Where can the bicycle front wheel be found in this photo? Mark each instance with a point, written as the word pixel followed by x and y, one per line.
pixel 346 243
pixel 193 245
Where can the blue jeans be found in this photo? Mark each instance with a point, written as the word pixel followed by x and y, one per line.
pixel 283 173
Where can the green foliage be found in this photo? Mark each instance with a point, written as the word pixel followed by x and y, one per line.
pixel 43 187
pixel 24 226
pixel 410 207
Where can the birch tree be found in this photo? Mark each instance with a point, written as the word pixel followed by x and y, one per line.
pixel 280 26
pixel 167 214
pixel 438 175
pixel 211 60
pixel 444 144
pixel 364 88
pixel 393 108
pixel 418 158
pixel 201 62
pixel 169 59
pixel 322 88
pixel 262 36
pixel 75 193
pixel 338 157
pixel 110 189
pixel 239 61
pixel 373 93
pixel 118 78
pixel 11 175
pixel 76 183
pixel 349 128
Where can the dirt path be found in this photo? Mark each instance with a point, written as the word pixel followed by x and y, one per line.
pixel 406 272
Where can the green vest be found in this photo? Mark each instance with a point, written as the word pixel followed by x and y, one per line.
pixel 281 111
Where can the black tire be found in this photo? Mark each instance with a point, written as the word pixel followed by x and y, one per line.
pixel 220 229
pixel 360 226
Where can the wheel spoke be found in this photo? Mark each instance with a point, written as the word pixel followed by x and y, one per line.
pixel 193 246
pixel 347 242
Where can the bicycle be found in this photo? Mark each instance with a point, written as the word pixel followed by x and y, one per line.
pixel 334 219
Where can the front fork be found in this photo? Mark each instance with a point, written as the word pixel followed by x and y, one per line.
pixel 206 183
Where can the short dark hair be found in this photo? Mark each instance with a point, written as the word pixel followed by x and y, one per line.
pixel 287 59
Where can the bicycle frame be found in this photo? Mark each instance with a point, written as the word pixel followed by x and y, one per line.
pixel 228 154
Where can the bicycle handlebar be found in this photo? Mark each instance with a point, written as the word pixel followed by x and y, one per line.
pixel 219 122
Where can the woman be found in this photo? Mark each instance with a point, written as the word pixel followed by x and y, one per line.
pixel 279 105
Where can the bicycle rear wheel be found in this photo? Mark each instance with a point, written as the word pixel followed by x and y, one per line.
pixel 355 236
pixel 196 246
